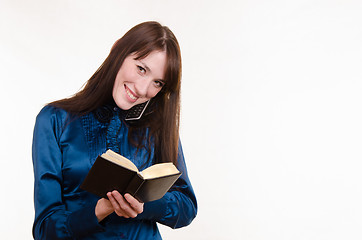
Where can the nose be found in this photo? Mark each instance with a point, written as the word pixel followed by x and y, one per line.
pixel 142 86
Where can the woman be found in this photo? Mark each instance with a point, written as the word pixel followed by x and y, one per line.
pixel 143 66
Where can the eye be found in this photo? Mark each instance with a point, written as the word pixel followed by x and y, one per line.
pixel 159 83
pixel 141 69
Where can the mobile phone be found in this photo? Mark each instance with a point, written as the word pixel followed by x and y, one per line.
pixel 136 112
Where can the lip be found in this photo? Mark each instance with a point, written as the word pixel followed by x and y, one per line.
pixel 131 96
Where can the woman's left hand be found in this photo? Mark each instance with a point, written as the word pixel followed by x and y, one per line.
pixel 126 206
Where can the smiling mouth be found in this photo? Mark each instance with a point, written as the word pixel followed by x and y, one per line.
pixel 130 94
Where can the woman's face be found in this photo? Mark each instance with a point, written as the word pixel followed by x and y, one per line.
pixel 137 81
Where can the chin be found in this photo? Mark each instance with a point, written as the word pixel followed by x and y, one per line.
pixel 124 106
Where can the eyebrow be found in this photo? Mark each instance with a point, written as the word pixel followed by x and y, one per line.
pixel 145 65
pixel 149 70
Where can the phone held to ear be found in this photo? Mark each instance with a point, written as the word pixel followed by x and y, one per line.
pixel 136 112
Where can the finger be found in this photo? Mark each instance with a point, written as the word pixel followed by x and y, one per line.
pixel 124 205
pixel 135 204
pixel 117 208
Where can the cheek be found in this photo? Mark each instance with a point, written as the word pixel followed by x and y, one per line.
pixel 121 79
pixel 124 75
pixel 116 86
pixel 153 92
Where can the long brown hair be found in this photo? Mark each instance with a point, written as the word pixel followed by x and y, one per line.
pixel 163 122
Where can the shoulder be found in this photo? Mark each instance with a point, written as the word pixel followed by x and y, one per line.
pixel 51 113
pixel 53 117
pixel 52 120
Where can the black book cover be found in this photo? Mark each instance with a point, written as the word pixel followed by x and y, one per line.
pixel 106 176
pixel 146 190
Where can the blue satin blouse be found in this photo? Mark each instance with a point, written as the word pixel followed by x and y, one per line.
pixel 64 149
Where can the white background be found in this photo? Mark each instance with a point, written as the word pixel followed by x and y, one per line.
pixel 271 106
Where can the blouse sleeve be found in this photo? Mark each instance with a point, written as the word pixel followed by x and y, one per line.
pixel 52 220
pixel 179 206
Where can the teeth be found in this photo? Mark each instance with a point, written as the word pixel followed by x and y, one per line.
pixel 131 95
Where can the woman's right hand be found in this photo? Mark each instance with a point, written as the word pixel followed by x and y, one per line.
pixel 124 206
